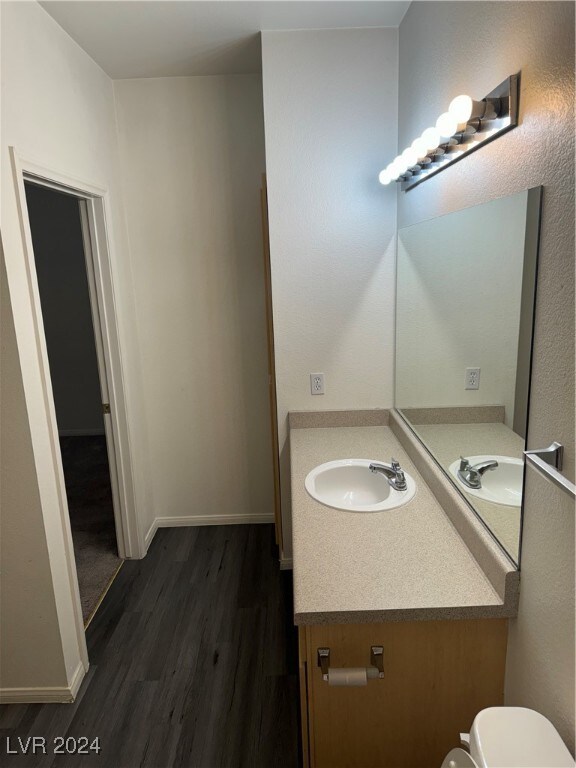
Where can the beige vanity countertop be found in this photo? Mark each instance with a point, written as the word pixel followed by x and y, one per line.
pixel 449 441
pixel 402 564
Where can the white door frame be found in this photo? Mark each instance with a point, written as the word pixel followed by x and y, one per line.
pixel 94 210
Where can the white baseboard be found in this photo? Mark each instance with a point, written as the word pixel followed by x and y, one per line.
pixel 57 695
pixel 150 535
pixel 77 678
pixel 174 522
pixel 192 520
pixel 81 432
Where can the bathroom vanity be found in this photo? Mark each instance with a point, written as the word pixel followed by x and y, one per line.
pixel 402 613
pixel 437 676
pixel 411 581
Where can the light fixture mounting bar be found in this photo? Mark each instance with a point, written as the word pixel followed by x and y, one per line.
pixel 507 94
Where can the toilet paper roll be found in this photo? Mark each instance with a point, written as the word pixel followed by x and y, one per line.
pixel 349 676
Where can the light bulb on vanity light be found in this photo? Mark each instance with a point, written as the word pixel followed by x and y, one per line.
pixel 431 138
pixel 410 157
pixel 420 147
pixel 461 108
pixel 446 125
pixel 384 177
pixel 398 167
pixel 387 175
pixel 465 110
pixel 390 173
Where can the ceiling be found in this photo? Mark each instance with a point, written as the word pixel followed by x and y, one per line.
pixel 166 38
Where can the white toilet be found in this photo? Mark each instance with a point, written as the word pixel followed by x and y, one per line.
pixel 510 737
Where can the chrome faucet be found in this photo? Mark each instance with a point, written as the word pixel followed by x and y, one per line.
pixel 392 472
pixel 471 475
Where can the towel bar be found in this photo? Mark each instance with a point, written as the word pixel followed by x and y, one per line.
pixel 548 462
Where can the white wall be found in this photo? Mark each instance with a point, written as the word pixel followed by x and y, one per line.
pixel 66 314
pixel 30 648
pixel 330 100
pixel 58 110
pixel 470 47
pixel 192 151
pixel 458 306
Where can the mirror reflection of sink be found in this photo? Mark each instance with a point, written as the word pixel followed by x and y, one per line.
pixel 502 485
pixel 348 484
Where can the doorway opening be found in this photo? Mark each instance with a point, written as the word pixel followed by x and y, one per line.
pixel 62 256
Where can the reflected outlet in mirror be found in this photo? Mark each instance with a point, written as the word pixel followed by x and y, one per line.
pixel 466 286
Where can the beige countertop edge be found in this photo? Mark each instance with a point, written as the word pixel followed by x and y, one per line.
pixel 459 414
pixel 374 417
pixel 326 571
pixel 499 569
pixel 451 613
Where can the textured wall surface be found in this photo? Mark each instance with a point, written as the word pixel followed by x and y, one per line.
pixel 192 155
pixel 470 47
pixel 330 121
pixel 458 306
pixel 30 645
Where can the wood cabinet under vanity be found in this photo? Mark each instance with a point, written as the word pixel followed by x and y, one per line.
pixel 437 676
pixel 430 589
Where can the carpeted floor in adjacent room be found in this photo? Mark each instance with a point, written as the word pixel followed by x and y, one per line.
pixel 89 493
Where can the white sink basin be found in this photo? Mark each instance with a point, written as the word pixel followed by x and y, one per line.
pixel 348 484
pixel 502 485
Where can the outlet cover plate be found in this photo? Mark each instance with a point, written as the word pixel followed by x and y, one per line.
pixel 472 380
pixel 317 383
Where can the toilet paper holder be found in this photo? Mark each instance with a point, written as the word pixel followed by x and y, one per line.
pixel 376 660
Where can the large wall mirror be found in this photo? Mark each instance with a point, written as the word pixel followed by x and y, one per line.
pixel 466 286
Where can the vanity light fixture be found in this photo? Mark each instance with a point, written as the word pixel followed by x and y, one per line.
pixel 466 126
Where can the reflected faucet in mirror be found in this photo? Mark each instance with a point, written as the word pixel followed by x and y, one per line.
pixel 471 475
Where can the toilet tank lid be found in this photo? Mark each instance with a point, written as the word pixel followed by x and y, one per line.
pixel 516 737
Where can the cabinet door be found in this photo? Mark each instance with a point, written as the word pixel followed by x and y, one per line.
pixel 437 676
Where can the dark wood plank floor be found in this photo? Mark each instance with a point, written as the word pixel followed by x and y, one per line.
pixel 193 662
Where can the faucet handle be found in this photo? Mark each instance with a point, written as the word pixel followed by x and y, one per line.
pixel 395 464
pixel 399 481
pixel 464 464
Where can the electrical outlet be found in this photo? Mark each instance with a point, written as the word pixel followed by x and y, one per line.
pixel 472 380
pixel 317 383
